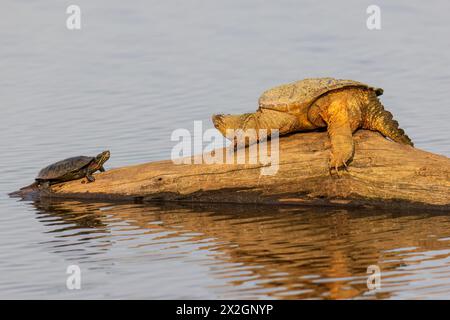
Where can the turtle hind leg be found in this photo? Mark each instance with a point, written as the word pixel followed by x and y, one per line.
pixel 378 119
pixel 44 184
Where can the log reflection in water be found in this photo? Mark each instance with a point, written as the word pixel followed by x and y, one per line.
pixel 264 251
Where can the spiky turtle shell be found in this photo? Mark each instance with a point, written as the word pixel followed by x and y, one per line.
pixel 63 167
pixel 298 95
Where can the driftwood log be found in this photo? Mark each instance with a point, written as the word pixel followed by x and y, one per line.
pixel 382 174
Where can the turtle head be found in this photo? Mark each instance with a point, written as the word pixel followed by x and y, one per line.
pixel 224 122
pixel 101 158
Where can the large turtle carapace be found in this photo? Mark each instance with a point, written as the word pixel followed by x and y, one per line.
pixel 72 169
pixel 342 106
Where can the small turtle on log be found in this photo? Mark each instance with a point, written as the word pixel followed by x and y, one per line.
pixel 342 106
pixel 71 169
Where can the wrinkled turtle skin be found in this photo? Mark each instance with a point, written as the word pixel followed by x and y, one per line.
pixel 340 106
pixel 72 169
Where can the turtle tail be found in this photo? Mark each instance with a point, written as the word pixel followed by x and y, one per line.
pixel 30 186
pixel 378 119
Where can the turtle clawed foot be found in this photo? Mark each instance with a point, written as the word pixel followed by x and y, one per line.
pixel 89 179
pixel 338 163
pixel 327 145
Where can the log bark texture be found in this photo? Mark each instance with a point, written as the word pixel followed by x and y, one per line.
pixel 382 174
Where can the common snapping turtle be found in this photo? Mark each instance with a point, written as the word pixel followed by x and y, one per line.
pixel 343 106
pixel 72 169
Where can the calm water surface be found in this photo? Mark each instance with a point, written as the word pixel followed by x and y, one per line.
pixel 137 71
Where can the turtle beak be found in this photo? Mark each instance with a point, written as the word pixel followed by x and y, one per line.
pixel 222 122
pixel 217 120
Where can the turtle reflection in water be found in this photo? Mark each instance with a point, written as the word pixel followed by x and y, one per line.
pixel 72 169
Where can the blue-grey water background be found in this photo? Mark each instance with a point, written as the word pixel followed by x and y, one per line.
pixel 139 69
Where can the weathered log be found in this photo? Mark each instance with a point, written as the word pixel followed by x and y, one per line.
pixel 382 174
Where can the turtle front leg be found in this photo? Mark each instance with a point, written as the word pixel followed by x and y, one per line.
pixel 340 133
pixel 102 169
